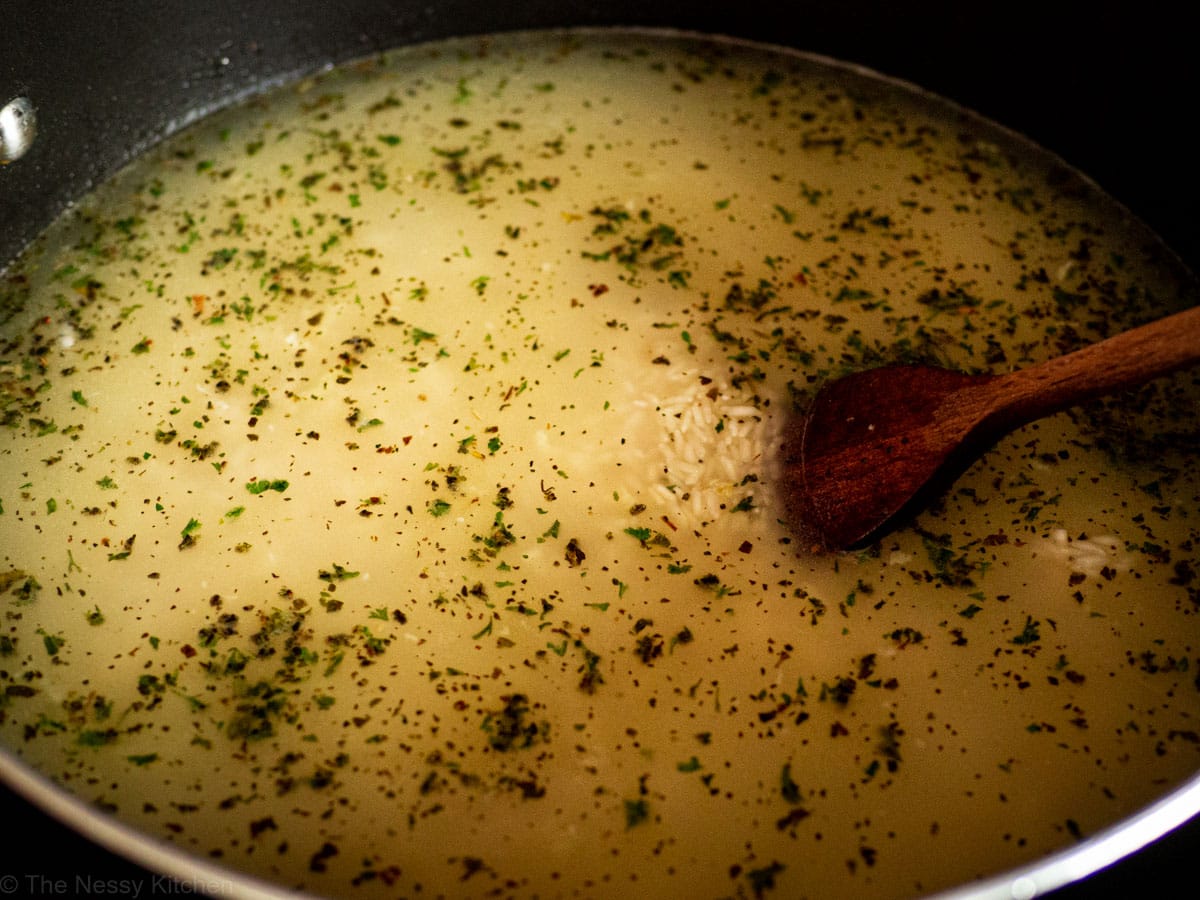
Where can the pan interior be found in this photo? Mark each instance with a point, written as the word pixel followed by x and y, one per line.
pixel 389 497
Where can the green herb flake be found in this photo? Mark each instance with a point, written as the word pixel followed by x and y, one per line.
pixel 1029 634
pixel 636 812
pixel 53 643
pixel 96 738
pixel 787 786
pixel 483 632
pixel 762 880
pixel 279 485
pixel 336 573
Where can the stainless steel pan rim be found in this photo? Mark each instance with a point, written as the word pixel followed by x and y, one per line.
pixel 1024 883
pixel 186 871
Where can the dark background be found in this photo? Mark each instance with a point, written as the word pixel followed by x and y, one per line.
pixel 1108 86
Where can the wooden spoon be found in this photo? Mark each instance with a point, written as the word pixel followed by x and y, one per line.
pixel 874 444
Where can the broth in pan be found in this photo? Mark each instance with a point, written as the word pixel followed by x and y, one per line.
pixel 389 499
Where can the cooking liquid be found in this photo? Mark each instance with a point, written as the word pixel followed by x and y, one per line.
pixel 388 503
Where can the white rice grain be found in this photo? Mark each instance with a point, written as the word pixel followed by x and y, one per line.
pixel 711 447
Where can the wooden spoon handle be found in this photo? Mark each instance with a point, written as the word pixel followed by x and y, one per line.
pixel 1124 360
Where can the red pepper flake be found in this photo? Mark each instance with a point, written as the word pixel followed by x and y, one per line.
pixel 746 547
pixel 188 650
